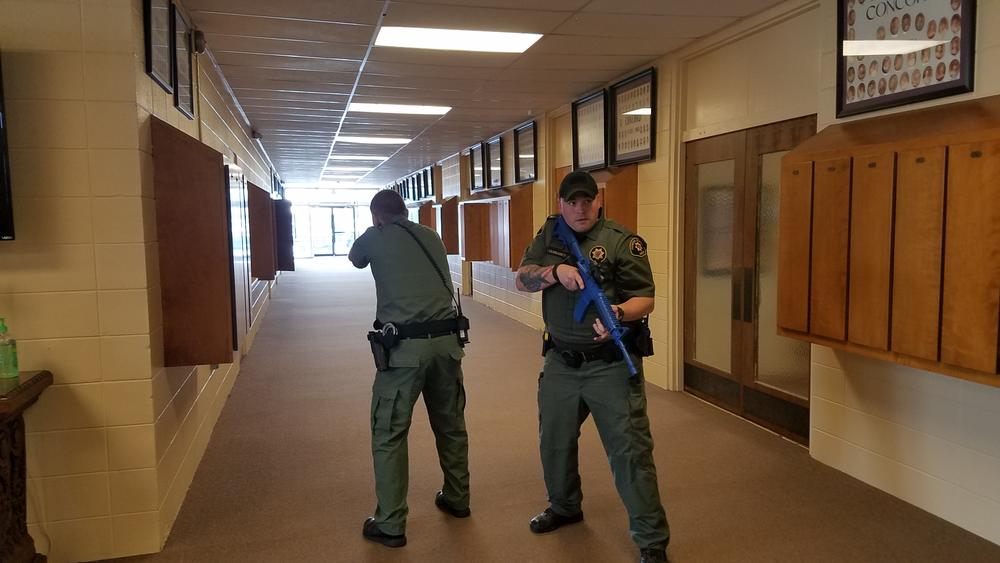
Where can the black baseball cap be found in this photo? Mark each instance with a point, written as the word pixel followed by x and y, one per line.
pixel 577 182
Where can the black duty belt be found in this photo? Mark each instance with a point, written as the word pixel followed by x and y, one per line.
pixel 429 329
pixel 575 356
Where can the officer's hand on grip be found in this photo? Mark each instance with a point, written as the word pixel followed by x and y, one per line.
pixel 568 276
pixel 601 332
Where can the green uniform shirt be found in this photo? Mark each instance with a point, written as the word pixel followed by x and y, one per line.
pixel 407 288
pixel 618 253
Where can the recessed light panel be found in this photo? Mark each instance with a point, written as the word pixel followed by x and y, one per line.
pixel 455 39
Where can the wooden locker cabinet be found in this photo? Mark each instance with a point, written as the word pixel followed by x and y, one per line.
pixel 970 310
pixel 889 242
pixel 872 189
pixel 916 303
pixel 830 231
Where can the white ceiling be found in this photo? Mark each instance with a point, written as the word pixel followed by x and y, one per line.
pixel 294 65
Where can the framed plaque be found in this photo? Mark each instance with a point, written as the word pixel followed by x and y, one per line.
pixel 477 172
pixel 590 132
pixel 494 156
pixel 525 163
pixel 183 81
pixel 633 118
pixel 156 20
pixel 878 70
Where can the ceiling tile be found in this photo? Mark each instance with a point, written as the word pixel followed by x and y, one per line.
pixel 238 83
pixel 466 17
pixel 347 11
pixel 256 26
pixel 219 44
pixel 438 57
pixel 437 71
pixel 729 8
pixel 590 45
pixel 580 62
pixel 616 25
pixel 290 62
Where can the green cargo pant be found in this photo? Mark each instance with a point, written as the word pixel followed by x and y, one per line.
pixel 432 367
pixel 566 397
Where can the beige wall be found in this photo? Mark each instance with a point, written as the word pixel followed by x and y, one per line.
pixel 926 438
pixel 113 444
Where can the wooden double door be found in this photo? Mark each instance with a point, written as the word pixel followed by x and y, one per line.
pixel 733 355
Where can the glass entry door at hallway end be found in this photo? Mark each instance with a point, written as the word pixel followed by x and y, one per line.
pixel 733 356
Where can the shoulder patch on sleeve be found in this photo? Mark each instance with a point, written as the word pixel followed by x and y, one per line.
pixel 636 246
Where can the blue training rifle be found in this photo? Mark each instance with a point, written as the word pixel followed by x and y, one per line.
pixel 592 293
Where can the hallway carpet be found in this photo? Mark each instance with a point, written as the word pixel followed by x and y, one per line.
pixel 287 474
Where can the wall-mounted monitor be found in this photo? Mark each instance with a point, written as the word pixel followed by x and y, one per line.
pixel 6 197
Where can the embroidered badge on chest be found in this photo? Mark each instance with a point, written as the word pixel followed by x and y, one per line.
pixel 598 254
pixel 637 247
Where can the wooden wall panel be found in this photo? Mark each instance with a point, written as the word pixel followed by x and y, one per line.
pixel 830 232
pixel 262 249
pixel 447 224
pixel 283 235
pixel 871 250
pixel 916 284
pixel 192 230
pixel 499 238
pixel 475 227
pixel 970 316
pixel 621 195
pixel 521 215
pixel 427 215
pixel 557 178
pixel 794 248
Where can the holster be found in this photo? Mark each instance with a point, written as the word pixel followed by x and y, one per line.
pixel 382 341
pixel 642 337
pixel 379 352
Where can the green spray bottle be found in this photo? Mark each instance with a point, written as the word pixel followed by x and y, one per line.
pixel 8 353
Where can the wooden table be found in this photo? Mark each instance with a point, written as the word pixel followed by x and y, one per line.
pixel 16 395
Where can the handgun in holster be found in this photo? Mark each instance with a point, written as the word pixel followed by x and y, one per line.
pixel 382 340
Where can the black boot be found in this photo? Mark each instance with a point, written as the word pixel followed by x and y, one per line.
pixel 549 521
pixel 443 506
pixel 372 532
pixel 653 555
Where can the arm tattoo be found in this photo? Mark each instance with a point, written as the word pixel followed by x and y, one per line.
pixel 534 278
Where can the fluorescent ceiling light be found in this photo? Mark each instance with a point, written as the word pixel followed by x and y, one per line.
pixel 455 39
pixel 342 178
pixel 887 47
pixel 640 111
pixel 398 108
pixel 350 168
pixel 359 158
pixel 374 140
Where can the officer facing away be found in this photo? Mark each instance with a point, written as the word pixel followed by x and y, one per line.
pixel 584 373
pixel 415 313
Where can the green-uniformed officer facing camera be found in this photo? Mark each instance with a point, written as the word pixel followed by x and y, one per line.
pixel 415 313
pixel 584 373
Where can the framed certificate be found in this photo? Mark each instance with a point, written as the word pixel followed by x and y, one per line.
pixel 876 69
pixel 494 157
pixel 590 132
pixel 525 163
pixel 633 118
pixel 477 170
pixel 183 80
pixel 156 19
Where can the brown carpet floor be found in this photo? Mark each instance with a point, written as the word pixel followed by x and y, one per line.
pixel 287 475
